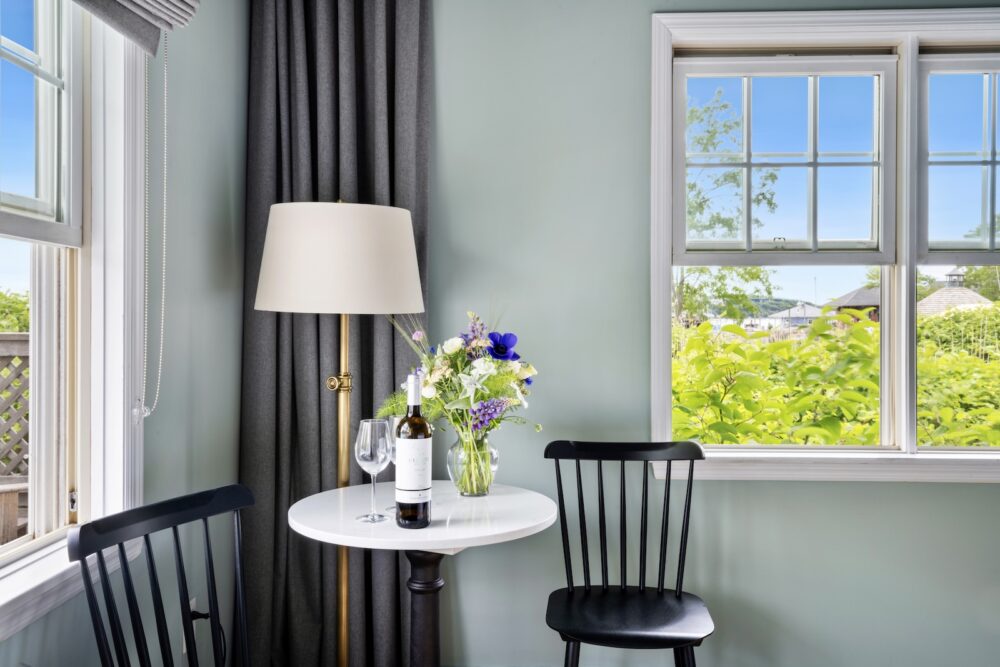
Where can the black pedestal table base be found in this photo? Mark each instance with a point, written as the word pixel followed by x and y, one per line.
pixel 424 583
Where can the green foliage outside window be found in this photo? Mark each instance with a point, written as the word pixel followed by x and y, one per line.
pixel 820 386
pixel 13 311
pixel 736 387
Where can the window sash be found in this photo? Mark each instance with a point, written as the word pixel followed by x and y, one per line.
pixel 747 251
pixel 959 252
pixel 51 217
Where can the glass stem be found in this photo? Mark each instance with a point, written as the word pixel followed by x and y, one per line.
pixel 374 476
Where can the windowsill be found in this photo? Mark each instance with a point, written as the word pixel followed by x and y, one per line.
pixel 848 466
pixel 40 581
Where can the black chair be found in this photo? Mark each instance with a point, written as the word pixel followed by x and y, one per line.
pixel 626 616
pixel 117 529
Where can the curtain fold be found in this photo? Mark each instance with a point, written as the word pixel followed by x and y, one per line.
pixel 142 20
pixel 338 110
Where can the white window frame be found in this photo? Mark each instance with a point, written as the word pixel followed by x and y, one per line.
pixel 905 31
pixel 105 134
pixel 959 63
pixel 747 251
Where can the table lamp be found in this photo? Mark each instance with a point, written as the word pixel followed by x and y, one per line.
pixel 348 259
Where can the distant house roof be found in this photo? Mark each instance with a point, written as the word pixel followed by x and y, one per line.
pixel 947 298
pixel 800 311
pixel 863 297
pixel 957 272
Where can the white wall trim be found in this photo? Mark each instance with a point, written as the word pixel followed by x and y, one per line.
pixel 110 462
pixel 852 466
pixel 844 28
pixel 905 31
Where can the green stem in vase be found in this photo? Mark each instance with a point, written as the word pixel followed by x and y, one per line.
pixel 476 474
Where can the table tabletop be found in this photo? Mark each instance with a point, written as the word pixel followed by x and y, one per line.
pixel 457 522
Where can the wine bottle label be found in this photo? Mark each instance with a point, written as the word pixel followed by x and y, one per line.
pixel 413 497
pixel 413 470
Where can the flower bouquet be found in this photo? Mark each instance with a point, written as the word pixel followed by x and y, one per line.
pixel 473 383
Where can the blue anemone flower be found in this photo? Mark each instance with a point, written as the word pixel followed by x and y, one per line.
pixel 502 346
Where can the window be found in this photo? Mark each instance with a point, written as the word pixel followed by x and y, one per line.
pixel 773 356
pixel 37 285
pixel 959 154
pixel 958 300
pixel 784 154
pixel 35 116
pixel 69 295
pixel 825 259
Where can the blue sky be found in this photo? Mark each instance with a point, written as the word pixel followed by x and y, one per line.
pixel 779 131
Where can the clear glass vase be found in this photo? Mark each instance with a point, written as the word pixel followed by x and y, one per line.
pixel 472 465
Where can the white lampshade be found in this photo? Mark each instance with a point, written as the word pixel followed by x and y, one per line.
pixel 339 258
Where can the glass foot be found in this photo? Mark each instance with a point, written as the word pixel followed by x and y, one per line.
pixel 372 518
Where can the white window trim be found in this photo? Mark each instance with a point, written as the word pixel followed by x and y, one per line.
pixel 906 31
pixel 728 253
pixel 110 144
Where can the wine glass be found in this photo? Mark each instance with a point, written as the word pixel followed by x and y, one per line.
pixel 371 449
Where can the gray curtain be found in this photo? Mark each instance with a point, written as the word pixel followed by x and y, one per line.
pixel 338 110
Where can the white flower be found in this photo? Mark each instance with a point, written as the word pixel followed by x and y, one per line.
pixel 483 367
pixel 514 367
pixel 428 391
pixel 520 396
pixel 452 345
pixel 470 385
pixel 526 371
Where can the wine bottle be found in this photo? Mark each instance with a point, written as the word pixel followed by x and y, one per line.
pixel 413 462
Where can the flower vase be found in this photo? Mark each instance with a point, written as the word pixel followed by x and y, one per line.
pixel 472 464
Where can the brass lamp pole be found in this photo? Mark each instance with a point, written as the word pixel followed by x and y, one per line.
pixel 341 383
pixel 375 272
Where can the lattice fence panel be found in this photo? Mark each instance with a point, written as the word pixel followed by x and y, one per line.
pixel 15 383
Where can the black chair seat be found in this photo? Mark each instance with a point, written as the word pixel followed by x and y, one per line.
pixel 629 619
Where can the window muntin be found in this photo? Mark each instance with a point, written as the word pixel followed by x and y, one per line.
pixel 959 158
pixel 782 356
pixel 754 134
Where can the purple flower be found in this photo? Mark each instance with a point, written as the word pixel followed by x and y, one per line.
pixel 486 411
pixel 502 346
pixel 529 381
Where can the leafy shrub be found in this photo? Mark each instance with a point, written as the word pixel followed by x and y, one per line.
pixel 958 398
pixel 975 331
pixel 819 385
pixel 13 311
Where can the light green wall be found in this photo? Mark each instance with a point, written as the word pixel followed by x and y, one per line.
pixel 540 213
pixel 191 440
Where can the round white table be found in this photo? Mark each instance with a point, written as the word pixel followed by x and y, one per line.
pixel 457 523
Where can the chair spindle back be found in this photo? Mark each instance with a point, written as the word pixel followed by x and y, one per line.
pixel 91 539
pixel 645 453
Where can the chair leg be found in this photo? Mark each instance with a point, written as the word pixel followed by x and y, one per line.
pixel 684 657
pixel 572 654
